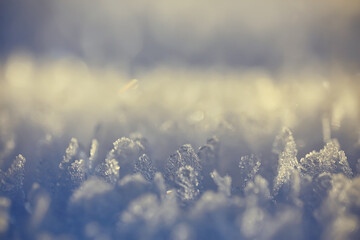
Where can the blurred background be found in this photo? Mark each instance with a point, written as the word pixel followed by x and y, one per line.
pixel 275 35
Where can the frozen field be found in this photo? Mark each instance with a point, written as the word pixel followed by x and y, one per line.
pixel 179 120
pixel 207 156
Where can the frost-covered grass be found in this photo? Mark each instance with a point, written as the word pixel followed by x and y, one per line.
pixel 89 154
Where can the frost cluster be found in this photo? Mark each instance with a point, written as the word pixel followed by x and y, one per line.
pixel 120 193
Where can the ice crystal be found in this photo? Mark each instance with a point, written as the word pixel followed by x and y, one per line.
pixel 125 152
pixel 109 170
pixel 187 183
pixel 75 164
pixel 330 159
pixel 12 180
pixel 77 170
pixel 285 147
pixel 144 166
pixel 89 198
pixel 70 153
pixel 185 156
pixel 249 165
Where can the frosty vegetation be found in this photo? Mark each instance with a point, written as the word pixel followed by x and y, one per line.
pixel 92 198
pixel 209 159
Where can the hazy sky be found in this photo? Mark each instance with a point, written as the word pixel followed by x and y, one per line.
pixel 273 35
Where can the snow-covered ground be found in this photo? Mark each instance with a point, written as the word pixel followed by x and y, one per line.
pixel 179 119
pixel 89 153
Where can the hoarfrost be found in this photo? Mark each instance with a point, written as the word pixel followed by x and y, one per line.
pixel 145 167
pixel 70 153
pixel 109 170
pixel 285 147
pixel 125 152
pixel 249 165
pixel 182 205
pixel 12 180
pixel 187 183
pixel 77 170
pixel 185 156
pixel 330 159
pixel 76 165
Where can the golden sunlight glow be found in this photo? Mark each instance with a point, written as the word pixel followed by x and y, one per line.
pixel 52 93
